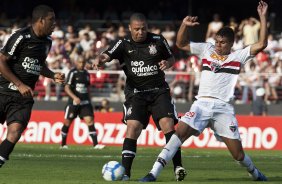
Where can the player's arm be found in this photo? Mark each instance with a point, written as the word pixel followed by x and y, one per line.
pixel 262 42
pixel 67 88
pixel 167 53
pixel 70 93
pixel 6 72
pixel 183 38
pixel 113 52
pixel 57 77
pixel 166 64
pixel 100 60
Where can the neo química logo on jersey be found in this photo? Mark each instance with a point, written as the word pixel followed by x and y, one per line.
pixel 31 65
pixel 139 69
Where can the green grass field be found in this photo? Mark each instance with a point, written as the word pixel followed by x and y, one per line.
pixel 47 164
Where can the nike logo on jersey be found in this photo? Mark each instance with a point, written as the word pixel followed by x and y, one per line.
pixel 31 46
pixel 130 51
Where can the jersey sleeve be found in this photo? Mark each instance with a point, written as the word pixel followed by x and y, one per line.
pixel 115 50
pixel 88 78
pixel 166 49
pixel 70 77
pixel 199 48
pixel 244 55
pixel 13 44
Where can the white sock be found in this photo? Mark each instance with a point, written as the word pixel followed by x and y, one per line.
pixel 249 165
pixel 166 155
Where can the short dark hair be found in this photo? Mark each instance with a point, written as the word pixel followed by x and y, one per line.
pixel 226 32
pixel 40 11
pixel 138 17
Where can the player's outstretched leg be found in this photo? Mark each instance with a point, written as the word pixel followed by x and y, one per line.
pixel 179 170
pixel 163 158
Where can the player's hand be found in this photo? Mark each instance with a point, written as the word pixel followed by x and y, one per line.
pixel 164 64
pixel 190 21
pixel 76 101
pixel 59 78
pixel 262 8
pixel 99 61
pixel 25 90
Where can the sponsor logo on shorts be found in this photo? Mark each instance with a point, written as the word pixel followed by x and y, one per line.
pixel 233 128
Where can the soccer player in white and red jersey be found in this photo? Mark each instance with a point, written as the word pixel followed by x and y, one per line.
pixel 212 107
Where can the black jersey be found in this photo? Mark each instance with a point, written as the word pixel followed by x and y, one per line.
pixel 140 61
pixel 79 81
pixel 27 54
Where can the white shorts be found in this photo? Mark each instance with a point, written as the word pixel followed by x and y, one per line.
pixel 213 113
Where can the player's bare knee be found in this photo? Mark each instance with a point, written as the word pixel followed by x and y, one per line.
pixel 14 135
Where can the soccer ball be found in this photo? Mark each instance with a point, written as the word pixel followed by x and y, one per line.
pixel 112 171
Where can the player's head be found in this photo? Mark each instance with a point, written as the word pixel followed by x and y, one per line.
pixel 224 40
pixel 80 62
pixel 43 17
pixel 138 27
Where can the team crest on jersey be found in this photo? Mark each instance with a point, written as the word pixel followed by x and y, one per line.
pixel 152 49
pixel 215 66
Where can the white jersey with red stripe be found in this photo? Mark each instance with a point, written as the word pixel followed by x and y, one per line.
pixel 219 73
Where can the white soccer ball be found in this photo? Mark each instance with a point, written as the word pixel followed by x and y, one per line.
pixel 112 171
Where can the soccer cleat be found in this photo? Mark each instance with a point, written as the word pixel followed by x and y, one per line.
pixel 148 178
pixel 98 146
pixel 257 175
pixel 64 147
pixel 180 173
pixel 125 178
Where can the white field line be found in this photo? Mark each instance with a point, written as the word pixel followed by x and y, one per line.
pixel 29 155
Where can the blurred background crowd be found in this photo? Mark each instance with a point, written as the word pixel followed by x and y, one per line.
pixel 88 27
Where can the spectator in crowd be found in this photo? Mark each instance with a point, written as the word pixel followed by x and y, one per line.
pixel 273 81
pixel 89 30
pixel 250 30
pixel 104 106
pixel 169 34
pixel 214 26
pixel 258 106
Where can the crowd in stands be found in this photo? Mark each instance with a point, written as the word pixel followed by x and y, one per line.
pixel 263 71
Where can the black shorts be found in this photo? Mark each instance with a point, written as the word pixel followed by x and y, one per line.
pixel 72 111
pixel 15 109
pixel 141 106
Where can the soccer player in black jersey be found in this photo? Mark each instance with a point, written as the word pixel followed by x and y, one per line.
pixel 22 60
pixel 79 104
pixel 144 56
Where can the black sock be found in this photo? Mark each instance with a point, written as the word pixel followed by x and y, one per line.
pixel 128 154
pixel 93 134
pixel 177 157
pixel 6 148
pixel 64 133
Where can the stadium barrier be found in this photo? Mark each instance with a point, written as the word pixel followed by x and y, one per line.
pixel 44 128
